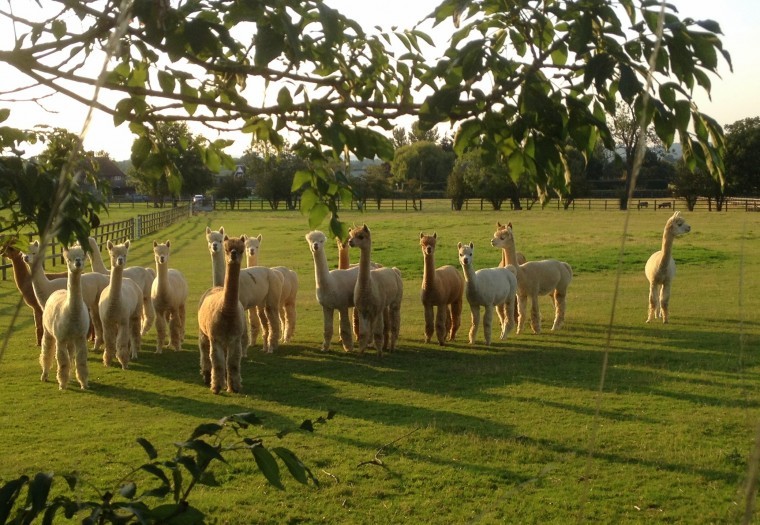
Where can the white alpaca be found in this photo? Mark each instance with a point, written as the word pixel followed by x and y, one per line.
pixel 222 326
pixel 169 295
pixel 335 291
pixel 120 309
pixel 536 278
pixel 661 268
pixel 377 297
pixel 289 288
pixel 491 288
pixel 92 284
pixel 142 276
pixel 519 257
pixel 65 324
pixel 259 288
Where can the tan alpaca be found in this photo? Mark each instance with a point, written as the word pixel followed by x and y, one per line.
pixel 222 325
pixel 23 279
pixel 377 296
pixel 661 268
pixel 334 290
pixel 260 289
pixel 65 323
pixel 92 284
pixel 520 258
pixel 142 276
pixel 344 257
pixel 442 289
pixel 491 288
pixel 169 295
pixel 536 278
pixel 289 288
pixel 120 310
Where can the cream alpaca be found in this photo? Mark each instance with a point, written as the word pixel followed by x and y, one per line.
pixel 65 321
pixel 519 257
pixel 120 310
pixel 335 291
pixel 491 288
pixel 442 289
pixel 289 288
pixel 260 289
pixel 536 278
pixel 169 295
pixel 142 276
pixel 661 268
pixel 92 284
pixel 23 279
pixel 377 297
pixel 222 325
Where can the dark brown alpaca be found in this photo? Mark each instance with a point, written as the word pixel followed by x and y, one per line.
pixel 442 289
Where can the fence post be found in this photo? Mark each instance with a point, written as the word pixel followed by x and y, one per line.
pixel 139 226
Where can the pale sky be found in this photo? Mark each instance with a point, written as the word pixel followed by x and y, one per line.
pixel 734 96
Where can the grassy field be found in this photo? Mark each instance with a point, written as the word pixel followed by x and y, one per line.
pixel 516 432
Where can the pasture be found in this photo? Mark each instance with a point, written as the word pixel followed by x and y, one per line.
pixel 516 432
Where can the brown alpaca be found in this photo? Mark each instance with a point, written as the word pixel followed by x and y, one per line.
pixel 222 325
pixel 65 321
pixel 442 289
pixel 377 297
pixel 169 294
pixel 344 263
pixel 23 278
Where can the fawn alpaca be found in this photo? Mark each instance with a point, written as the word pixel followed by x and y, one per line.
pixel 442 289
pixel 222 325
pixel 661 268
pixel 169 295
pixel 377 297
pixel 120 309
pixel 490 288
pixel 65 324
pixel 535 278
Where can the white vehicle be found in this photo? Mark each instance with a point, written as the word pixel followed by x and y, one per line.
pixel 197 199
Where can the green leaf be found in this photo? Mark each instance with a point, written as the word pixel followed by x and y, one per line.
pixel 295 467
pixel 177 514
pixel 4 114
pixel 468 131
pixel 317 214
pixel 58 28
pixel 39 489
pixel 9 493
pixel 300 179
pixel 284 99
pixel 309 199
pixel 156 471
pixel 206 429
pixel 128 490
pixel 267 465
pixel 166 81
pixel 307 425
pixel 148 447
pixel 710 25
pixel 559 55
pixel 269 44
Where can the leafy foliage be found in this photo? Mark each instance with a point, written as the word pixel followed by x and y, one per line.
pixel 743 156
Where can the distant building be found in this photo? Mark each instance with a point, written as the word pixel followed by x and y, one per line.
pixel 116 179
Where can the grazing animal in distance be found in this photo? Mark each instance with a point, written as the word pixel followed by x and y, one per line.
pixel 169 295
pixel 441 294
pixel 661 269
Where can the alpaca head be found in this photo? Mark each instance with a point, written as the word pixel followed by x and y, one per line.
pixel 234 248
pixel 502 236
pixel 359 237
pixel 427 243
pixel 161 252
pixel 215 239
pixel 118 253
pixel 465 253
pixel 252 245
pixel 316 240
pixel 74 258
pixel 10 251
pixel 31 253
pixel 676 225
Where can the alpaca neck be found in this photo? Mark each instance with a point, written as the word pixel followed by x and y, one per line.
pixel 162 275
pixel 40 283
pixel 96 261
pixel 231 284
pixel 114 284
pixel 469 273
pixel 217 268
pixel 321 272
pixel 344 263
pixel 252 260
pixel 365 252
pixel 667 249
pixel 510 253
pixel 20 270
pixel 74 289
pixel 428 272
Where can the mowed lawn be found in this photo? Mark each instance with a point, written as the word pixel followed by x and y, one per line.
pixel 517 432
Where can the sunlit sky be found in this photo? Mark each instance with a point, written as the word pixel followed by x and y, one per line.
pixel 734 95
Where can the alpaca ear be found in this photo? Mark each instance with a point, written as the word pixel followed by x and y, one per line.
pixel 126 243
pixel 109 244
pixel 244 237
pixel 435 235
pixel 471 245
pixel 365 228
pixel 459 245
pixel 509 225
pixel 168 244
pixel 208 230
pixel 226 238
pixel 258 237
pixel 155 243
pixel 36 244
pixel 498 225
pixel 421 235
pixel 221 230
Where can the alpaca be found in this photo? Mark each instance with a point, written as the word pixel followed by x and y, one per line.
pixel 169 295
pixel 535 278
pixel 442 288
pixel 289 288
pixel 142 276
pixel 222 325
pixel 520 258
pixel 335 291
pixel 92 284
pixel 490 288
pixel 65 324
pixel 120 310
pixel 377 296
pixel 23 278
pixel 260 289
pixel 344 257
pixel 661 268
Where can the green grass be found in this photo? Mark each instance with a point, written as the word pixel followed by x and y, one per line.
pixel 507 433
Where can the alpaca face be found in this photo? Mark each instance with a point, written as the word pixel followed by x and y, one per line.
pixel 427 243
pixel 214 239
pixel 161 252
pixel 677 225
pixel 31 253
pixel 359 237
pixel 252 245
pixel 118 254
pixel 74 258
pixel 234 248
pixel 502 236
pixel 316 240
pixel 465 253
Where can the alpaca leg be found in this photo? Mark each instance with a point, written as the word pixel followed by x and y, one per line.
pixel 123 352
pixel 97 324
pixel 654 305
pixel 487 323
pixel 456 318
pixel 327 328
pixel 447 321
pixel 395 320
pixel 475 318
pixel 149 315
pixel 38 323
pixel 64 364
pixel 378 332
pixel 535 315
pixel 291 316
pixel 559 299
pixel 175 330
pixel 262 325
pixel 665 301
pixel 429 322
pixel 234 381
pixel 510 309
pixel 80 358
pixel 217 368
pixel 346 336
pixel 135 330
pixel 109 343
pixel 366 332
pixel 522 312
pixel 204 348
pixel 160 331
pixel 503 315
pixel 254 319
pixel 356 323
pixel 47 353
pixel 273 316
pixel 386 328
pixel 441 316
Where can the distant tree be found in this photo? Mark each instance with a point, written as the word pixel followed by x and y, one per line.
pixel 743 157
pixel 400 137
pixel 578 184
pixel 273 174
pixel 690 185
pixel 483 177
pixel 456 188
pixel 376 182
pixel 233 189
pixel 423 162
pixel 418 134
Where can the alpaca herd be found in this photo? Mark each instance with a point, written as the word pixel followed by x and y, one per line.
pixel 120 305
